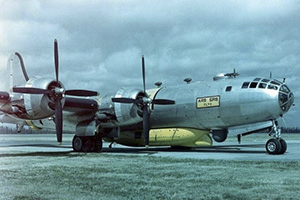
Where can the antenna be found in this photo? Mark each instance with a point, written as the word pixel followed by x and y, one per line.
pixel 270 75
pixel 158 84
pixel 187 80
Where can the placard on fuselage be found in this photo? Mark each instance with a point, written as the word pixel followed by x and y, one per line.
pixel 208 102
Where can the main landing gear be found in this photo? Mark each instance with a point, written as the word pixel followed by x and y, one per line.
pixel 87 143
pixel 276 145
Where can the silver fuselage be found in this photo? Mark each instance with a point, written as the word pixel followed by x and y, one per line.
pixel 236 106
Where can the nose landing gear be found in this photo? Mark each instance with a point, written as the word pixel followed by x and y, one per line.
pixel 276 145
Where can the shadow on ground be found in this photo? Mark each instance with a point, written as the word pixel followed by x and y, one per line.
pixel 234 149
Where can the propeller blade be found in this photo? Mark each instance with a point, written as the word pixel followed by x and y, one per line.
pixel 126 100
pixel 27 90
pixel 81 93
pixel 56 62
pixel 58 119
pixel 146 124
pixel 143 71
pixel 163 102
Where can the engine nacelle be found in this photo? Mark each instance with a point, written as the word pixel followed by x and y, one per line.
pixel 127 113
pixel 38 105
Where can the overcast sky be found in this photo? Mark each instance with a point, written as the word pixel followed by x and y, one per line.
pixel 101 42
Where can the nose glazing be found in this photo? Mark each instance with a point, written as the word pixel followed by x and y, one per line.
pixel 285 98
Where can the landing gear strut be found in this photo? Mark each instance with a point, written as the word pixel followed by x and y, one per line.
pixel 276 145
pixel 87 143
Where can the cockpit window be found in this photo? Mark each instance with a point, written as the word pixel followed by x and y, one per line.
pixel 253 84
pixel 265 80
pixel 245 85
pixel 280 83
pixel 283 98
pixel 266 83
pixel 275 82
pixel 272 87
pixel 262 85
pixel 285 89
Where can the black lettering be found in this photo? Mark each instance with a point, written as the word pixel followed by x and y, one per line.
pixel 213 99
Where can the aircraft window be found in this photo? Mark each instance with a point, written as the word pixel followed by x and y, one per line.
pixel 253 84
pixel 262 85
pixel 284 89
pixel 275 82
pixel 283 98
pixel 278 81
pixel 272 87
pixel 228 88
pixel 265 80
pixel 257 79
pixel 245 84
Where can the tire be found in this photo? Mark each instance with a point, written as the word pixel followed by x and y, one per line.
pixel 88 144
pixel 273 146
pixel 283 146
pixel 77 144
pixel 98 144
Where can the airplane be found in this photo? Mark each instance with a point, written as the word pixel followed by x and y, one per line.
pixel 182 116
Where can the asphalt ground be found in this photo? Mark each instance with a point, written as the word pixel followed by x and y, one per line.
pixel 251 148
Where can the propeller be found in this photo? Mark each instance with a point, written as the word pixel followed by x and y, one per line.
pixel 144 103
pixel 56 94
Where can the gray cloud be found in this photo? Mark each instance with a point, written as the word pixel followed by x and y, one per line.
pixel 101 42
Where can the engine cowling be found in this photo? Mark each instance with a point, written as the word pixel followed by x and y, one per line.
pixel 40 106
pixel 128 113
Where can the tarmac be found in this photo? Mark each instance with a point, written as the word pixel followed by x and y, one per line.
pixel 45 145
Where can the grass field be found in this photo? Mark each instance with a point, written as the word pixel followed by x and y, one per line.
pixel 94 176
pixel 69 175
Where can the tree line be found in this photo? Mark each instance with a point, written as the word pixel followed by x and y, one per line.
pixel 25 130
pixel 290 130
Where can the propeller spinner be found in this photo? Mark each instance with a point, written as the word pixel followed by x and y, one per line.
pixel 144 103
pixel 56 94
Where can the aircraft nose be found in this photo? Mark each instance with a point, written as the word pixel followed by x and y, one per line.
pixel 285 98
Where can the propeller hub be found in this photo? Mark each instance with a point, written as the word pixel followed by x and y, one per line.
pixel 146 100
pixel 59 90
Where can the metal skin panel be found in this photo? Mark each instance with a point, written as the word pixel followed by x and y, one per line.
pixel 236 130
pixel 29 106
pixel 36 105
pixel 127 113
pixel 237 107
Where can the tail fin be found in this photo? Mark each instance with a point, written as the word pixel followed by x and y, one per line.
pixel 22 66
pixel 15 73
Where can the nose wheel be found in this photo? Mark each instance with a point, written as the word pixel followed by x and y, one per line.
pixel 276 145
